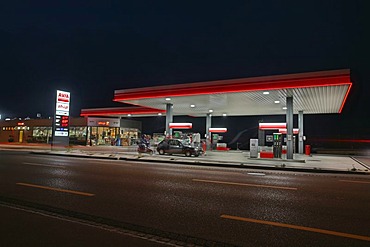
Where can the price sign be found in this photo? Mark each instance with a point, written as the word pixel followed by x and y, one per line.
pixel 61 119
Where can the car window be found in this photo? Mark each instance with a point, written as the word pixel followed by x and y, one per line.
pixel 171 142
pixel 186 142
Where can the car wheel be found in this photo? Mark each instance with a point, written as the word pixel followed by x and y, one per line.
pixel 187 153
pixel 161 151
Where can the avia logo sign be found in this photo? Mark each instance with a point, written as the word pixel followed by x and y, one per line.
pixel 63 96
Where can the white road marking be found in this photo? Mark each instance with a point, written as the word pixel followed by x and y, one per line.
pixel 46 165
pixel 256 174
pixel 244 184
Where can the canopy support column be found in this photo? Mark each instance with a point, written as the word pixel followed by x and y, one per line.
pixel 169 119
pixel 300 136
pixel 289 125
pixel 261 135
pixel 208 125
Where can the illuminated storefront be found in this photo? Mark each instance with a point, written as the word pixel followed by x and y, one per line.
pixel 78 135
pixel 41 134
pixel 32 130
pixel 15 133
pixel 82 131
pixel 112 131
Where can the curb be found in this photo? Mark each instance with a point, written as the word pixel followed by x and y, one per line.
pixel 280 160
pixel 212 164
pixel 360 162
pixel 76 155
pixel 251 166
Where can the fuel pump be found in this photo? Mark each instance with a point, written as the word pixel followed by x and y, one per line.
pixel 277 146
pixel 215 138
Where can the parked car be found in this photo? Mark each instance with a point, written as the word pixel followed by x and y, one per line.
pixel 174 146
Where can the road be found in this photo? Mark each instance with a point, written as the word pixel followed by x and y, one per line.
pixel 63 201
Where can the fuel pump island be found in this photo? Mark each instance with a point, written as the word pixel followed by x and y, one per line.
pixel 271 145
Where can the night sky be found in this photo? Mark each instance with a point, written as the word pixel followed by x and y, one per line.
pixel 91 48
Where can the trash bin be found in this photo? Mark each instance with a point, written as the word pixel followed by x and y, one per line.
pixel 308 149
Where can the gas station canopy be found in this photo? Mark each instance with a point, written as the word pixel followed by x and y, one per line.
pixel 313 93
pixel 122 111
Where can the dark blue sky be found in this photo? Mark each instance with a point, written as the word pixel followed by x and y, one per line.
pixel 92 48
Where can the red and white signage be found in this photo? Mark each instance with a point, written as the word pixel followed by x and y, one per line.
pixel 61 133
pixel 217 130
pixel 63 96
pixel 62 104
pixel 111 122
pixel 181 125
pixel 61 121
pixel 272 126
pixel 284 131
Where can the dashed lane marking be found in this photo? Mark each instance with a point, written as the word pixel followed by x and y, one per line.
pixel 56 189
pixel 256 174
pixel 244 184
pixel 354 181
pixel 302 228
pixel 46 165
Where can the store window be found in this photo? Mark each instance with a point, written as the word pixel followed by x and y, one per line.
pixel 77 135
pixel 103 135
pixel 40 134
pixel 129 136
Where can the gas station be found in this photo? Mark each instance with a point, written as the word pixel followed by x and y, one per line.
pixel 323 92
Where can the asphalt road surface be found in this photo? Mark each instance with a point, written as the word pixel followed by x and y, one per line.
pixel 61 201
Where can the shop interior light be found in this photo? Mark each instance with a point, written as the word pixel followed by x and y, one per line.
pixel 192 106
pixel 224 114
pixel 284 108
pixel 168 99
pixel 159 114
pixel 129 115
pixel 276 102
pixel 266 92
pixel 210 110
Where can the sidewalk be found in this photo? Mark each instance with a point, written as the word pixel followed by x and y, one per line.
pixel 235 159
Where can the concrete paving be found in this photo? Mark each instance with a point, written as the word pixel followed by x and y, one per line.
pixel 240 159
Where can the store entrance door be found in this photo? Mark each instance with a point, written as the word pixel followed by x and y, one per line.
pixel 20 139
pixel 103 135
